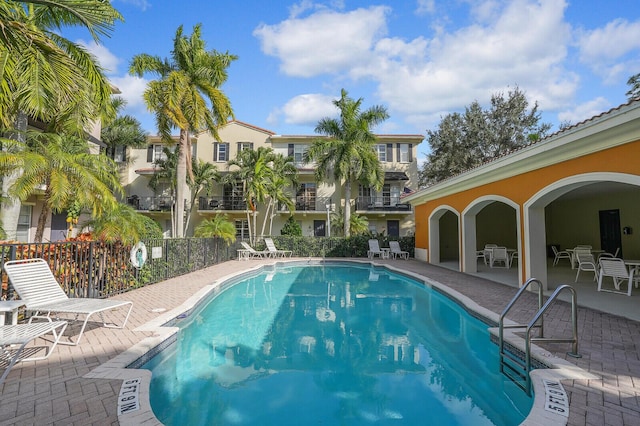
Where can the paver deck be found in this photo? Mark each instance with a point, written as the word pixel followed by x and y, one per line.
pixel 54 392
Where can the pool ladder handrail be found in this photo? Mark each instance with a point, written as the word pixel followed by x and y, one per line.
pixel 536 322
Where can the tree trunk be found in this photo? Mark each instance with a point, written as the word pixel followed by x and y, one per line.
pixel 10 210
pixel 347 207
pixel 45 213
pixel 266 216
pixel 181 182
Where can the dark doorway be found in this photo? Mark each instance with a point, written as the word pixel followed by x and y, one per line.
pixel 59 227
pixel 610 237
pixel 319 228
pixel 393 228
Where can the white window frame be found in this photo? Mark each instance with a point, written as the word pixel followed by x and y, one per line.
pixel 23 228
pixel 381 150
pixel 404 153
pixel 245 145
pixel 158 153
pixel 222 148
pixel 298 153
pixel 242 229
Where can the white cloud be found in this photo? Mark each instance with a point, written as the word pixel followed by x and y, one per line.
pixel 308 109
pixel 106 59
pixel 132 88
pixel 611 51
pixel 140 4
pixel 422 77
pixel 425 7
pixel 324 42
pixel 585 111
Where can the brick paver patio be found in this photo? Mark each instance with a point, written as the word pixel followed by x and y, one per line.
pixel 54 392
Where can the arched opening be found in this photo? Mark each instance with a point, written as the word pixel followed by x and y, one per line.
pixel 444 237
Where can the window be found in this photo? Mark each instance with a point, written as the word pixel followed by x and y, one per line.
pixel 244 146
pixel 24 223
pixel 117 154
pixel 242 229
pixel 381 150
pixel 404 152
pixel 220 151
pixel 154 153
pixel 297 152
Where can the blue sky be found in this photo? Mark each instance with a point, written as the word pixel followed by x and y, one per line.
pixel 421 59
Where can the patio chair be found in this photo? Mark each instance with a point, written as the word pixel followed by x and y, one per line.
pixel 253 253
pixel 609 255
pixel 560 254
pixel 275 252
pixel 374 250
pixel 617 270
pixel 42 295
pixel 396 251
pixel 486 252
pixel 14 339
pixel 586 262
pixel 499 255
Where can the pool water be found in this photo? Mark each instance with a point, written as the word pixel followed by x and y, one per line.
pixel 332 344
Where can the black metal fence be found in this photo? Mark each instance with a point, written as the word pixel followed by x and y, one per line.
pixel 99 270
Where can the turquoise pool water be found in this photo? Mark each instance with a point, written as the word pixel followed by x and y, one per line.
pixel 332 344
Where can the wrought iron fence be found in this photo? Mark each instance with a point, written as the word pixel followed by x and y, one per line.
pixel 99 270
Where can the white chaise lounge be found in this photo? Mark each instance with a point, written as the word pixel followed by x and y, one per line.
pixel 42 295
pixel 14 339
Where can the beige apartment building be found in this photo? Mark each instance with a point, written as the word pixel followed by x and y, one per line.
pixel 314 201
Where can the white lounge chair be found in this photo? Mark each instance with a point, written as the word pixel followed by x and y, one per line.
pixel 253 253
pixel 39 290
pixel 396 251
pixel 14 339
pixel 374 250
pixel 617 270
pixel 275 252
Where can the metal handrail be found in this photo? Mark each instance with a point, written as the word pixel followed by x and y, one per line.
pixel 522 289
pixel 538 321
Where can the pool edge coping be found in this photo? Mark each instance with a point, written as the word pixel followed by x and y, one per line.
pixel 116 368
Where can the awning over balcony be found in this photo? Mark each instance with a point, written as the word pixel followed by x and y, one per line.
pixel 395 176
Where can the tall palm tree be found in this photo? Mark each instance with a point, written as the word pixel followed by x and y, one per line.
pixel 43 74
pixel 205 175
pixel 178 98
pixel 347 154
pixel 253 169
pixel 165 172
pixel 284 176
pixel 123 131
pixel 68 171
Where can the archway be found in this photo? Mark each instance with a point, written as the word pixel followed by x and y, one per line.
pixel 444 236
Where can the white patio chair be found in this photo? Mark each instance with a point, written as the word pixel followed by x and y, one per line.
pixel 374 250
pixel 41 293
pixel 586 262
pixel 619 273
pixel 253 253
pixel 499 255
pixel 396 251
pixel 609 255
pixel 14 339
pixel 487 252
pixel 560 254
pixel 275 252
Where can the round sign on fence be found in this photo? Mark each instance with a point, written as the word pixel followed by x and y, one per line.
pixel 139 255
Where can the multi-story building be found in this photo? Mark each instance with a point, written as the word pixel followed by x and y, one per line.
pixel 314 201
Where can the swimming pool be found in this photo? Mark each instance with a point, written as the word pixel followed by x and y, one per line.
pixel 329 344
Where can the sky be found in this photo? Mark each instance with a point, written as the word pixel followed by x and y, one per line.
pixel 421 59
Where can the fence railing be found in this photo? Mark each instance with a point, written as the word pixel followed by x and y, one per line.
pixel 99 270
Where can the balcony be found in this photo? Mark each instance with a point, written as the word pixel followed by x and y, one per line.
pixel 222 203
pixel 161 204
pixel 310 203
pixel 384 204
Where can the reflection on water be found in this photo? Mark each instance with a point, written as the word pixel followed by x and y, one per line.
pixel 331 345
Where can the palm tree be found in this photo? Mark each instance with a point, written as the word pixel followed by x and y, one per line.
pixel 123 131
pixel 43 74
pixel 124 224
pixel 254 171
pixel 178 98
pixel 205 175
pixel 219 226
pixel 68 171
pixel 284 176
pixel 165 172
pixel 347 154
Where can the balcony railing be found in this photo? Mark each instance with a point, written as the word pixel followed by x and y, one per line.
pixel 311 203
pixel 150 203
pixel 222 203
pixel 384 203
